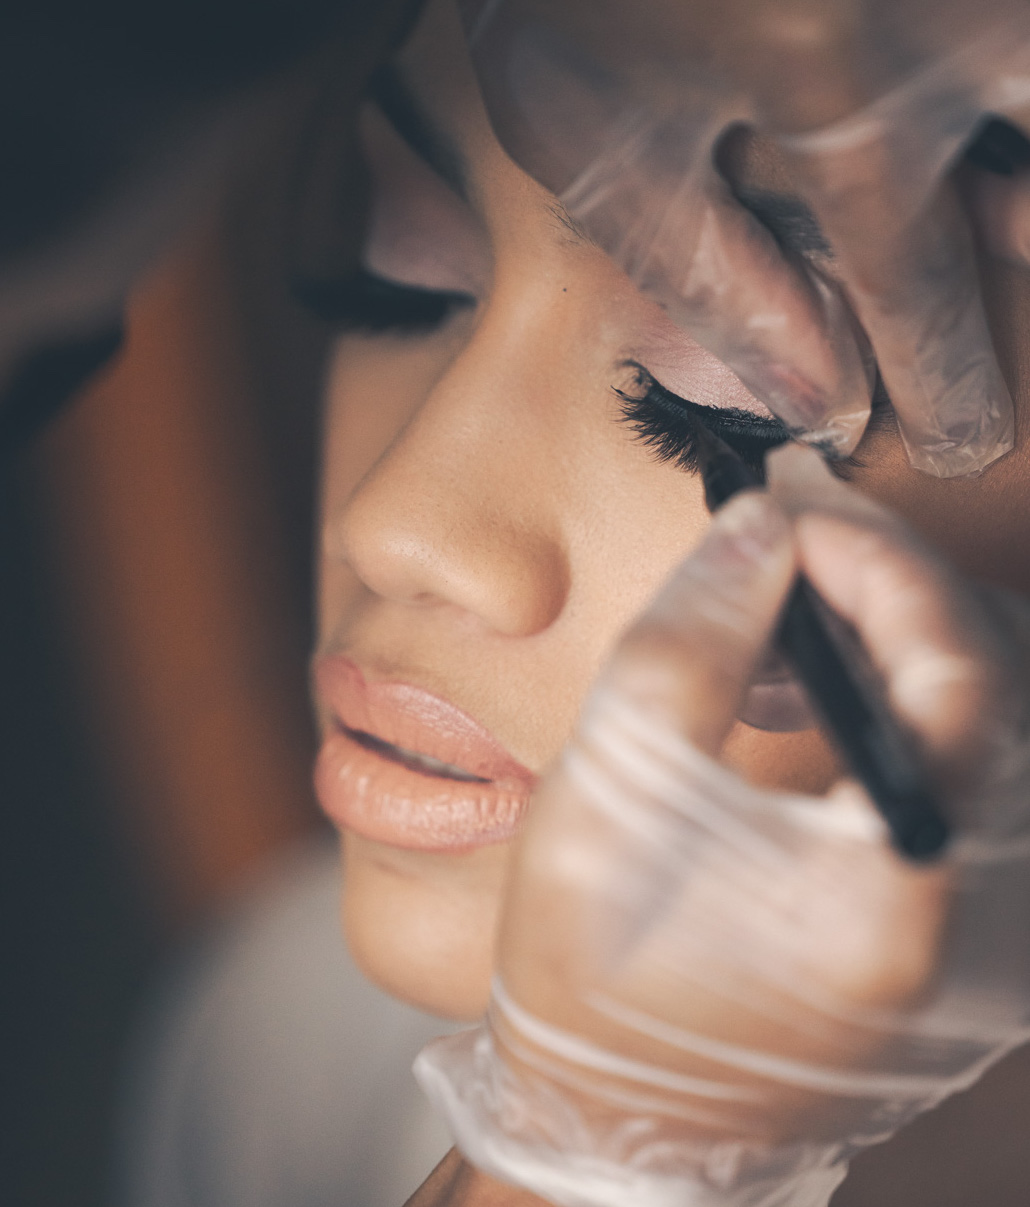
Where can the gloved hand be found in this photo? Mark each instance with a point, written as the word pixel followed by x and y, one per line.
pixel 617 108
pixel 712 994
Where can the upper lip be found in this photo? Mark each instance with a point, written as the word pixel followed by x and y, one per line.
pixel 415 720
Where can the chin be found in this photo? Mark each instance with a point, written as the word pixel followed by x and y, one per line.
pixel 422 927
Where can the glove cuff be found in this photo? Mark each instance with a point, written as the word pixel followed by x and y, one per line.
pixel 533 1136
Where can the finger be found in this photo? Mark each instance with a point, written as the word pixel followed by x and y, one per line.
pixel 909 269
pixel 688 660
pixel 994 182
pixel 684 239
pixel 800 480
pixel 786 331
pixel 925 630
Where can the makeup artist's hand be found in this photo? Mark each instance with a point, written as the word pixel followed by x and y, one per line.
pixel 619 107
pixel 716 994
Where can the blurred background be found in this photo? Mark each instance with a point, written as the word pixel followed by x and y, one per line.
pixel 155 740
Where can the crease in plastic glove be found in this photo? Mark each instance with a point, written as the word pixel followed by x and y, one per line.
pixel 710 993
pixel 618 108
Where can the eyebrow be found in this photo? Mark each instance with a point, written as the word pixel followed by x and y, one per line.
pixel 408 116
pixel 574 231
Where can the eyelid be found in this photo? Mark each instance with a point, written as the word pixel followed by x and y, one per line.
pixel 668 425
pixel 664 422
pixel 702 412
pixel 687 369
pixel 420 232
pixel 366 302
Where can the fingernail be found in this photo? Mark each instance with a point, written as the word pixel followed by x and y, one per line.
pixel 810 414
pixel 795 464
pixel 964 453
pixel 953 404
pixel 749 538
pixel 800 480
pixel 789 393
pixel 749 526
pixel 822 389
pixel 838 435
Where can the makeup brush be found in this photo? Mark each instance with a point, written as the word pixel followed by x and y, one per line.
pixel 842 684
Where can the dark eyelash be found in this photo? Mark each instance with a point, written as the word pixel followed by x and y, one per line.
pixel 667 424
pixel 366 302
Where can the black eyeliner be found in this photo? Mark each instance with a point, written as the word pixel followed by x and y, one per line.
pixel 842 685
pixel 667 424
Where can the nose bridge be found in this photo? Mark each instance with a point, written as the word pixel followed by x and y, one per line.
pixel 463 507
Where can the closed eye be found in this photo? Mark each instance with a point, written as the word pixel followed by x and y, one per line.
pixel 667 424
pixel 375 305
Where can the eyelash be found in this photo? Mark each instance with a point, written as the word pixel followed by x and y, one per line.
pixel 667 424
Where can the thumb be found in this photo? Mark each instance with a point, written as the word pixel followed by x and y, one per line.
pixel 688 659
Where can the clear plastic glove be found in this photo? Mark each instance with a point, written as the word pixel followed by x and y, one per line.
pixel 618 107
pixel 712 994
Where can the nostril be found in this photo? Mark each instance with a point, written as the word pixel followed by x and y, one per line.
pixel 541 584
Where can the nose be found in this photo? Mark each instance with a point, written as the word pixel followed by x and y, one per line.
pixel 461 509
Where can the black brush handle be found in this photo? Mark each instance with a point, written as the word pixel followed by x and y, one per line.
pixel 843 688
pixel 842 684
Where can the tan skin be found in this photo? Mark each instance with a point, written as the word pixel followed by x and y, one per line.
pixel 456 1183
pixel 490 526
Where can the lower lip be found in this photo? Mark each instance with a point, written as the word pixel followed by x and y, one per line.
pixel 380 799
pixel 388 802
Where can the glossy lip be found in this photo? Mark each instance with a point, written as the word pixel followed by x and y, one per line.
pixel 377 794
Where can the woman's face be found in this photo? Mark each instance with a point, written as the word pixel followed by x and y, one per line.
pixel 497 507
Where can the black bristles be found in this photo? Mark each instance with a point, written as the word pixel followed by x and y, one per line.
pixel 668 425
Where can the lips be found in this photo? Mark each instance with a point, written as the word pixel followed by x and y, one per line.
pixel 404 767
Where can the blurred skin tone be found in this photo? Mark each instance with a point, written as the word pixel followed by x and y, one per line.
pixel 491 525
pixel 71 290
